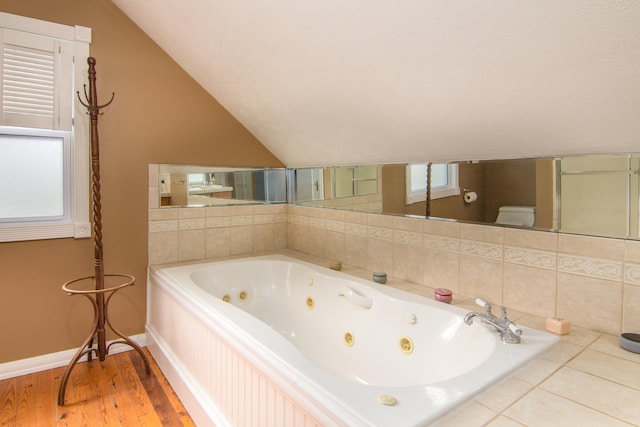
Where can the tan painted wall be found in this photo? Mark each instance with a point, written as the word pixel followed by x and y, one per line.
pixel 160 115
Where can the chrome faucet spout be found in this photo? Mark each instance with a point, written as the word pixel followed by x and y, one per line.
pixel 509 331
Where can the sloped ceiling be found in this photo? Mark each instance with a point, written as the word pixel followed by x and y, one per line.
pixel 385 81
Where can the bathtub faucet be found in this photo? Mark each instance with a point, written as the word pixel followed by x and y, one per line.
pixel 509 331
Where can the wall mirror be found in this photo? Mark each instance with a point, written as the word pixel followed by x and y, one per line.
pixel 596 195
pixel 181 185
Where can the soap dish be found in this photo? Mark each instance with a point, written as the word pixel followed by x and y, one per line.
pixel 630 342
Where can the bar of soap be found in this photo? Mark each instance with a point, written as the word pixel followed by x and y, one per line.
pixel 558 326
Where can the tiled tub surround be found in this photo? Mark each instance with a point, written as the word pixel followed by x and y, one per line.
pixel 593 282
pixel 587 379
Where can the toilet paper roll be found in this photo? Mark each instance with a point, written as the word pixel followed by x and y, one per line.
pixel 470 197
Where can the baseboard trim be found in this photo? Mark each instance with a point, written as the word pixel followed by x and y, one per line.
pixel 30 365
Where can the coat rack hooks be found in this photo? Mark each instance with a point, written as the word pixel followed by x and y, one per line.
pixel 100 295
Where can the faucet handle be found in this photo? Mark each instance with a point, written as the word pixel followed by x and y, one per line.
pixel 514 328
pixel 483 303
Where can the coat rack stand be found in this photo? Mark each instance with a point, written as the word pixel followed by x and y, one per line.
pixel 99 295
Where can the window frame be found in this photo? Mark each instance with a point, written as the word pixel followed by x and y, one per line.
pixel 419 195
pixel 77 225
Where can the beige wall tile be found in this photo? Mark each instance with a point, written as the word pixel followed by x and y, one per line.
pixel 599 268
pixel 335 246
pixel 317 241
pixel 530 257
pixel 163 247
pixel 213 211
pixel 632 273
pixel 240 240
pixel 531 239
pixel 217 242
pixel 482 233
pixel 442 228
pixel 589 302
pixel 480 277
pixel 379 255
pixel 162 226
pixel 376 220
pixel 191 245
pixel 529 289
pixel 631 309
pixel 355 250
pixel 154 198
pixel 408 263
pixel 263 237
pixel 163 214
pixel 441 270
pixel 597 247
pixel 190 213
pixel 280 236
pixel 408 224
pixel 356 217
pixel 632 251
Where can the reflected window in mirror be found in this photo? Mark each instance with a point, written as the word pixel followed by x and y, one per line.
pixel 444 182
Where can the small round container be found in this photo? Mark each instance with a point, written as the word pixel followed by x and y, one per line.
pixel 443 295
pixel 380 277
pixel 630 342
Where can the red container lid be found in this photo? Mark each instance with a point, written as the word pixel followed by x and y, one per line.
pixel 442 292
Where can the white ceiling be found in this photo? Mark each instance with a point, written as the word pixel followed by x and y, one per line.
pixel 322 82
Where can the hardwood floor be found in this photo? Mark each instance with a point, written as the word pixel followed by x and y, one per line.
pixel 115 392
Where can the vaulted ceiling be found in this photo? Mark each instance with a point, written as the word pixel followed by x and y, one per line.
pixel 386 81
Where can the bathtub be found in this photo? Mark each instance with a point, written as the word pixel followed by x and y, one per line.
pixel 275 341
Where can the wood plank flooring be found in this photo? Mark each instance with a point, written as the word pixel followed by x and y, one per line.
pixel 115 392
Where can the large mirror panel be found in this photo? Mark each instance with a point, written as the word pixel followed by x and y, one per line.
pixel 592 195
pixel 181 185
pixel 401 190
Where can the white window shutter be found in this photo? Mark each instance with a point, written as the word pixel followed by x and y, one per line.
pixel 33 80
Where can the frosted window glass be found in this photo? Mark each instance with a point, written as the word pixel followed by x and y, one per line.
pixel 31 177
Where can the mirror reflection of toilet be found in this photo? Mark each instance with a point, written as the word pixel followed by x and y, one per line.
pixel 523 216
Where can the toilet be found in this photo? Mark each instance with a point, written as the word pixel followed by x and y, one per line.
pixel 523 216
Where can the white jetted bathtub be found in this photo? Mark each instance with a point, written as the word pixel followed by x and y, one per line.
pixel 275 341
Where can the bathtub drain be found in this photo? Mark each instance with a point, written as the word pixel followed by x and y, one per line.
pixel 348 339
pixel 406 345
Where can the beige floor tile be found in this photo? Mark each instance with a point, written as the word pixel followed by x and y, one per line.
pixel 504 394
pixel 610 367
pixel 536 371
pixel 471 414
pixel 605 396
pixel 581 336
pixel 563 352
pixel 503 421
pixel 609 344
pixel 544 409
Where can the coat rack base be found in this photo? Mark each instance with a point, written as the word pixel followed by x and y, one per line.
pixel 100 323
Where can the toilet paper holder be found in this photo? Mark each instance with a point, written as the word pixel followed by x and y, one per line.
pixel 469 196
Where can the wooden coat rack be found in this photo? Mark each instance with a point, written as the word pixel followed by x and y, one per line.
pixel 99 295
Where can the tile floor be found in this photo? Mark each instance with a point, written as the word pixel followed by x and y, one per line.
pixel 585 380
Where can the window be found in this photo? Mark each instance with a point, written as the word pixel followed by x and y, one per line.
pixel 44 135
pixel 444 182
